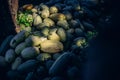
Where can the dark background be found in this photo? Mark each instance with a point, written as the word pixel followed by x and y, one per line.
pixel 103 57
pixel 6 25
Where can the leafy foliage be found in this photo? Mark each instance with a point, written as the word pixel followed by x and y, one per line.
pixel 25 18
pixel 91 34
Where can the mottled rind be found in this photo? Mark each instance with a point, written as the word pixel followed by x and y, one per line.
pixel 30 52
pixel 61 63
pixel 20 47
pixel 5 44
pixel 10 56
pixel 57 16
pixel 16 63
pixel 18 38
pixel 50 46
pixel 61 32
pixel 37 20
pixel 27 66
pixel 43 57
pixel 34 40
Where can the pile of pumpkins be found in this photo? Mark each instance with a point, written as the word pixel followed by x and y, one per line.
pixel 52 38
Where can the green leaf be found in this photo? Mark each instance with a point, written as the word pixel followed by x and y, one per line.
pixel 25 18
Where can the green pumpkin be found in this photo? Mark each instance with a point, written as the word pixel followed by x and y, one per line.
pixel 30 52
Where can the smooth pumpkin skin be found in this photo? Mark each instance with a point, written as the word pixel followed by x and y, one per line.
pixel 51 46
pixel 30 52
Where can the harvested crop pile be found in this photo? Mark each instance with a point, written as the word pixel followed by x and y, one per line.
pixel 51 41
